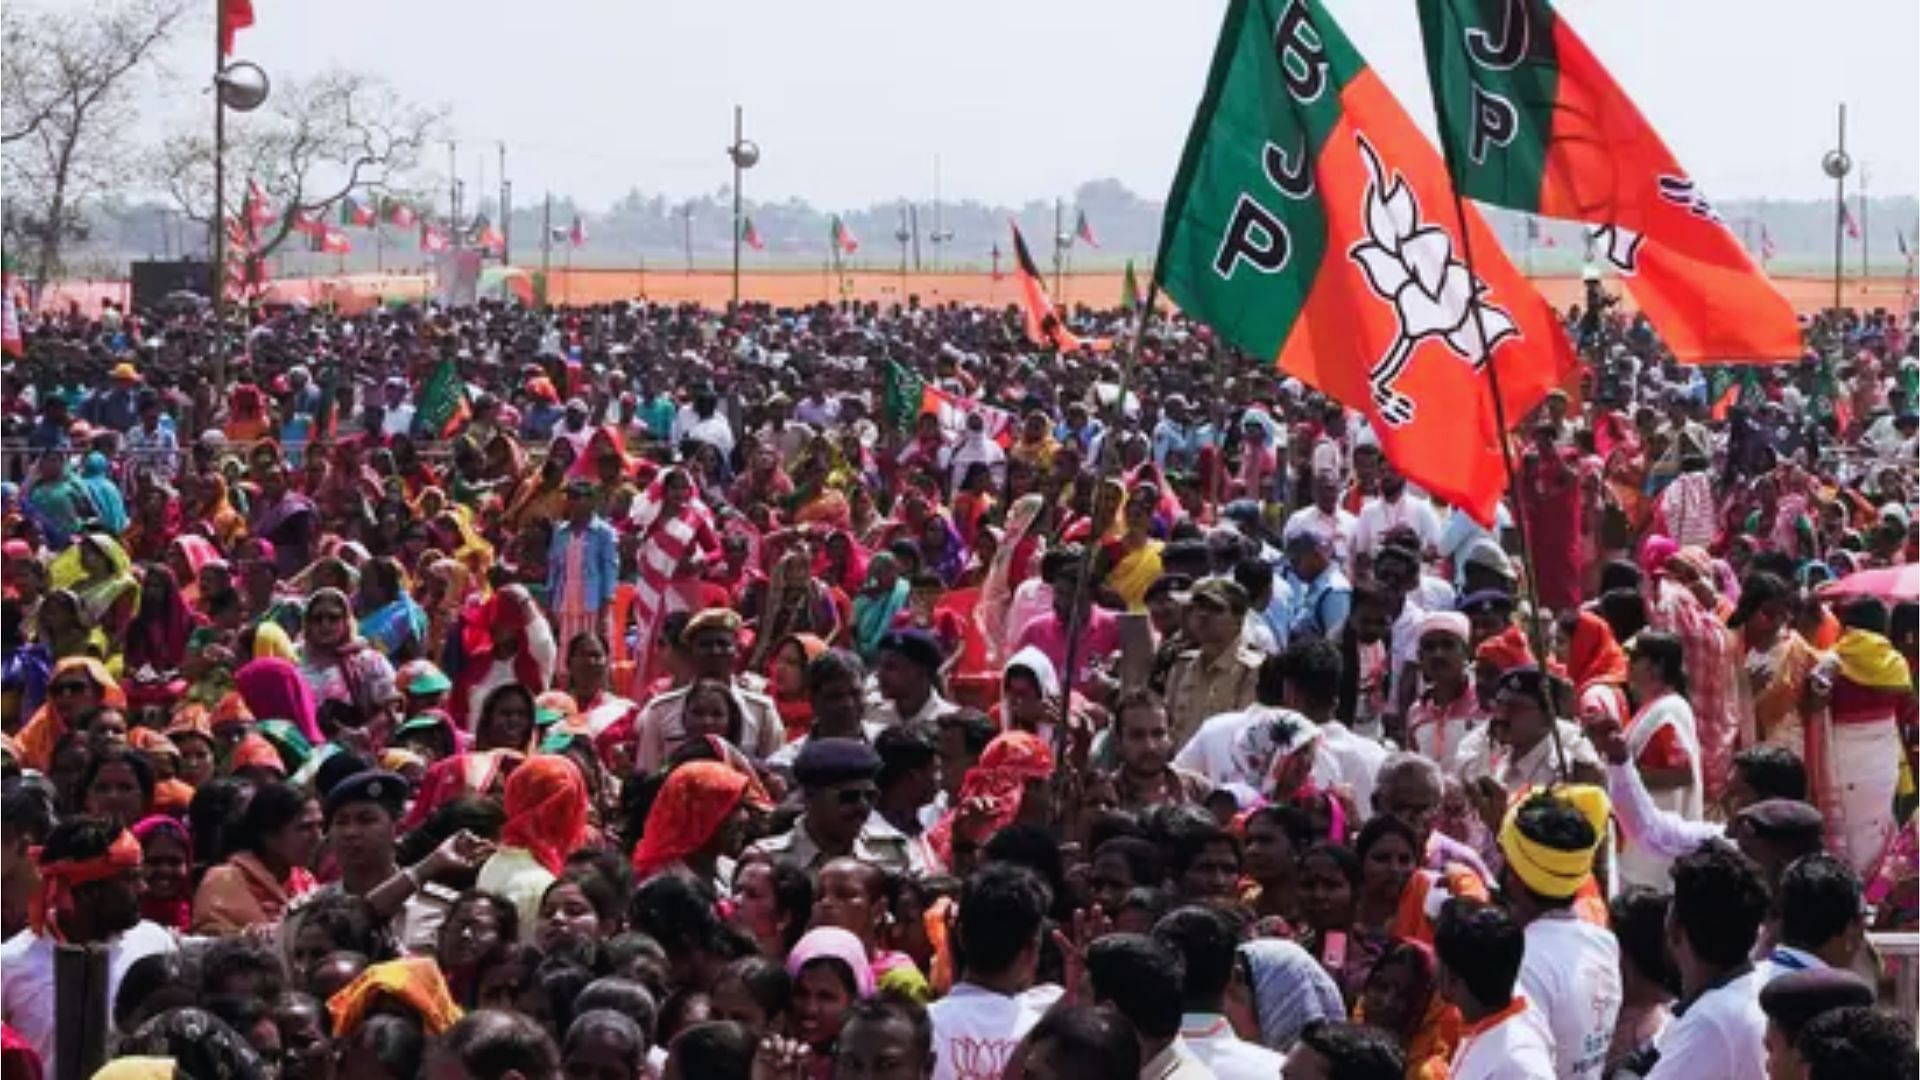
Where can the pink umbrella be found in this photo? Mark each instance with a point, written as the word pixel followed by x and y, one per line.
pixel 1892 584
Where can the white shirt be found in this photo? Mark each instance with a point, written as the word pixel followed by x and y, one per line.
pixel 1337 527
pixel 1176 1062
pixel 26 979
pixel 1210 1038
pixel 1517 1048
pixel 397 420
pixel 1209 752
pixel 1571 974
pixel 1721 1035
pixel 975 1029
pixel 1378 517
pixel 1346 757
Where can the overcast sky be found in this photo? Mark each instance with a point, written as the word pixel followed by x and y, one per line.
pixel 852 100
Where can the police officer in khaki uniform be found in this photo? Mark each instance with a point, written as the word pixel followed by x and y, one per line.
pixel 1221 674
pixel 837 818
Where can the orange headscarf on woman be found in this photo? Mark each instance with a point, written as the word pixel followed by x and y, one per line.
pixel 44 730
pixel 692 805
pixel 1593 656
pixel 415 982
pixel 546 802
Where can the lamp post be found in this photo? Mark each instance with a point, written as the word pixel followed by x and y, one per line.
pixel 745 155
pixel 1837 164
pixel 241 86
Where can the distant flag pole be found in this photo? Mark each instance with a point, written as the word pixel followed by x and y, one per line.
pixel 750 236
pixel 577 235
pixel 1083 229
pixel 1767 249
pixel 1129 290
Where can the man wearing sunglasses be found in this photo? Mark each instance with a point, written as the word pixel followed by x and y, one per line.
pixel 837 819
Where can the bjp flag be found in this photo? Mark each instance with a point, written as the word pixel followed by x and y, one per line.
pixel 1532 121
pixel 1310 221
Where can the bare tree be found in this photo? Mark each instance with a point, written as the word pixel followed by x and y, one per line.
pixel 316 142
pixel 68 80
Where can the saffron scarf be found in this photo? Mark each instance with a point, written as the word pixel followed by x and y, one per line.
pixel 546 804
pixel 60 877
pixel 693 804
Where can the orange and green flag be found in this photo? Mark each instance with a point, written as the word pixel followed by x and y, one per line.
pixel 1311 222
pixel 1532 121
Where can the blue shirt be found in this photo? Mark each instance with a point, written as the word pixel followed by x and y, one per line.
pixel 1323 605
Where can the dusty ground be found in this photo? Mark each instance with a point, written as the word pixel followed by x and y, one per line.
pixel 797 287
pixel 1103 289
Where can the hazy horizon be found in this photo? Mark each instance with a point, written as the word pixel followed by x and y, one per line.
pixel 852 101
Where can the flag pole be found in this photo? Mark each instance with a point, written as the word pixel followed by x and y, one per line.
pixel 1108 460
pixel 1534 639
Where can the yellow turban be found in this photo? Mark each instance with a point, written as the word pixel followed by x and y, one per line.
pixel 1550 871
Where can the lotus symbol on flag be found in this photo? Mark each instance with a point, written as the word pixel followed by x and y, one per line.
pixel 1412 266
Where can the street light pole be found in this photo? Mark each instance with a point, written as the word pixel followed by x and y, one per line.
pixel 744 156
pixel 1836 165
pixel 219 224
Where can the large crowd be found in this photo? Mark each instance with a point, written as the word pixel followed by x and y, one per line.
pixel 856 691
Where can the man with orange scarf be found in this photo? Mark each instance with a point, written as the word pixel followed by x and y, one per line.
pixel 89 895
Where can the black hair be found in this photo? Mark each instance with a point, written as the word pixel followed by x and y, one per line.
pixel 230 958
pixel 1664 651
pixel 1152 901
pixel 1482 946
pixel 490 1043
pixel 1858 1042
pixel 1818 899
pixel 1189 840
pixel 1341 856
pixel 834 665
pixel 1353 1051
pixel 582 638
pixel 630 1033
pixel 1619 574
pixel 1142 978
pixel 1378 828
pixel 559 978
pixel 602 891
pixel 1092 1043
pixel 1773 772
pixel 1312 666
pixel 889 1006
pixel 200 1044
pixel 677 911
pixel 77 839
pixel 1865 613
pixel 716 1050
pixel 1625 611
pixel 1144 863
pixel 1034 847
pixel 275 805
pixel 350 923
pixel 1719 902
pixel 1289 819
pixel 975 727
pixel 792 895
pixel 1639 920
pixel 1558 824
pixel 214 814
pixel 154 983
pixel 765 981
pixel 1001 909
pixel 26 810
pixel 479 815
pixel 903 750
pixel 1254 576
pixel 1207 938
pixel 627 997
pixel 1904 623
pixel 505 914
